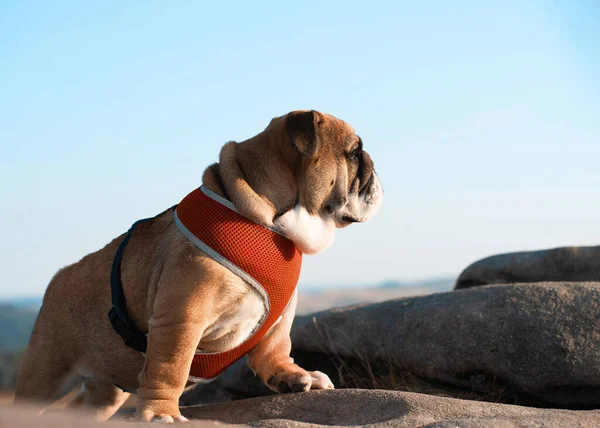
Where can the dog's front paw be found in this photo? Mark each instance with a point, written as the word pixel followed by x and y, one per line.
pixel 159 411
pixel 320 381
pixel 293 378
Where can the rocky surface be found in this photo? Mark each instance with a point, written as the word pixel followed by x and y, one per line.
pixel 383 408
pixel 336 408
pixel 578 264
pixel 535 344
pixel 538 343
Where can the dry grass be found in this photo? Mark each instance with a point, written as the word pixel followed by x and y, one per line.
pixel 391 375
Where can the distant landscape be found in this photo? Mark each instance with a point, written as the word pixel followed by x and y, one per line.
pixel 18 315
pixel 314 298
pixel 16 322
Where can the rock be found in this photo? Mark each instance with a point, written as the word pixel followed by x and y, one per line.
pixel 347 407
pixel 534 344
pixel 577 264
pixel 537 344
pixel 383 408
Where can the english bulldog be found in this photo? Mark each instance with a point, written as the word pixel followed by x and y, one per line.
pixel 302 177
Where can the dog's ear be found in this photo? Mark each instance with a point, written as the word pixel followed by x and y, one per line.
pixel 302 128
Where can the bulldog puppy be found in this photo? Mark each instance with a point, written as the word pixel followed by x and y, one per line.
pixel 304 176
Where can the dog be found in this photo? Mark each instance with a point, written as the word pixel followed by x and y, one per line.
pixel 303 177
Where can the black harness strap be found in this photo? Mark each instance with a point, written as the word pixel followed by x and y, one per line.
pixel 117 314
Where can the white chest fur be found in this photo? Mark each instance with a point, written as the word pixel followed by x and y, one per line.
pixel 235 325
pixel 311 233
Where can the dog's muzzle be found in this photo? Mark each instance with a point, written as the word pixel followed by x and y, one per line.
pixel 362 206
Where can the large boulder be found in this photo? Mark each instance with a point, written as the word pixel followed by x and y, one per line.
pixel 533 344
pixel 576 264
pixel 334 408
pixel 536 344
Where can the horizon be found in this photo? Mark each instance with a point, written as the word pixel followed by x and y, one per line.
pixel 482 121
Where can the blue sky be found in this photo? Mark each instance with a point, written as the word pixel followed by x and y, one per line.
pixel 482 119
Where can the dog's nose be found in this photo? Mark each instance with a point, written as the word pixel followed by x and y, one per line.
pixel 348 219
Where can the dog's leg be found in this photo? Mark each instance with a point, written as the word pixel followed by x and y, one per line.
pixel 101 395
pixel 270 360
pixel 173 336
pixel 44 374
pixel 162 381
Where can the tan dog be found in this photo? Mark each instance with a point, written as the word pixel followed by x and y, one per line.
pixel 304 175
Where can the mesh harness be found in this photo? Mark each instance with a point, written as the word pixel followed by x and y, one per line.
pixel 266 260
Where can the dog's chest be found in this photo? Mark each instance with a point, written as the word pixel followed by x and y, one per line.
pixel 235 325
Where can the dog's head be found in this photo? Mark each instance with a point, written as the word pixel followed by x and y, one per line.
pixel 305 175
pixel 337 183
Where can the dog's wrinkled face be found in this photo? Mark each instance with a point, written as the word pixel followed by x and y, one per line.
pixel 337 183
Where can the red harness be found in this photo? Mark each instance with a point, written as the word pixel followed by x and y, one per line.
pixel 263 258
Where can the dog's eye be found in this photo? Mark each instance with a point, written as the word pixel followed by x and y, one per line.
pixel 353 155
